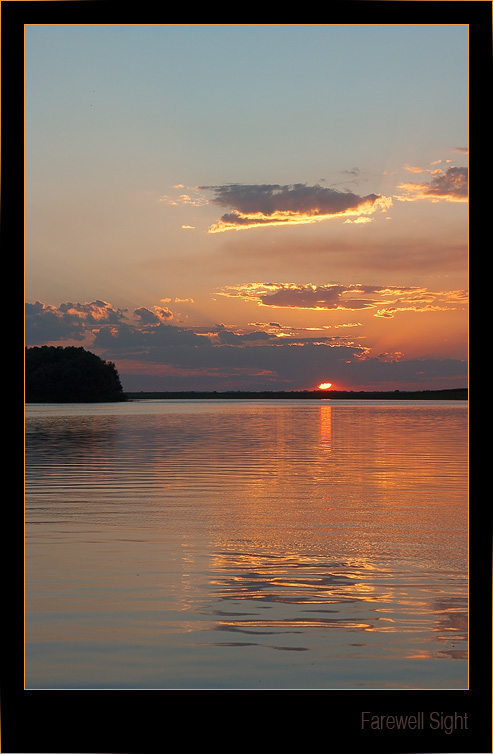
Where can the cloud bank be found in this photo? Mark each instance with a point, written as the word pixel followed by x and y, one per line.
pixel 151 352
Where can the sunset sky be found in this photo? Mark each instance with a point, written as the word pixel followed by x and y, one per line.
pixel 250 206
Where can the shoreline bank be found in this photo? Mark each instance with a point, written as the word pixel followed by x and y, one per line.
pixel 455 394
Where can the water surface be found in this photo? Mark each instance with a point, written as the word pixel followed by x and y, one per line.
pixel 246 544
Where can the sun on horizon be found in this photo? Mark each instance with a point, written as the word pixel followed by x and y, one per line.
pixel 324 385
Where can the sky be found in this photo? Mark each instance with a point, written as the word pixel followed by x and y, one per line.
pixel 250 206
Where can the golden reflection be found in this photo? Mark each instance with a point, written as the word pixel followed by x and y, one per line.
pixel 295 584
pixel 326 427
pixel 349 596
pixel 296 623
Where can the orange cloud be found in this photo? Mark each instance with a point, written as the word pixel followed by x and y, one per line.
pixel 351 297
pixel 451 186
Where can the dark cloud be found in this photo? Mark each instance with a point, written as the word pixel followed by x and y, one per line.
pixel 155 337
pixel 251 362
pixel 44 324
pixel 281 366
pixel 316 297
pixel 148 317
pixel 227 336
pixel 298 197
pixel 183 360
pixel 451 184
pixel 268 204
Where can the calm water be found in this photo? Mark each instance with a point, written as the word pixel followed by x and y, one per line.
pixel 246 545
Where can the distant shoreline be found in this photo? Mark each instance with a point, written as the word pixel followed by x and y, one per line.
pixel 455 394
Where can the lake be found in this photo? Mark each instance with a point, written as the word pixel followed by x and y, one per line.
pixel 247 544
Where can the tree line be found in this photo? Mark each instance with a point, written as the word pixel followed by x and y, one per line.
pixel 59 374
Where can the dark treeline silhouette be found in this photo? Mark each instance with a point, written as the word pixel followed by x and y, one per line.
pixel 57 374
pixel 402 395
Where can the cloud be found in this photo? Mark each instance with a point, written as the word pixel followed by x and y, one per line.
pixel 450 186
pixel 177 300
pixel 348 297
pixel 148 317
pixel 170 358
pixel 46 323
pixel 195 201
pixel 415 169
pixel 391 311
pixel 229 337
pixel 359 220
pixel 258 360
pixel 143 340
pixel 94 312
pixel 424 301
pixel 272 204
pixel 99 323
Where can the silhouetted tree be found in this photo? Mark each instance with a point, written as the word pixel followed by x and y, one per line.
pixel 57 374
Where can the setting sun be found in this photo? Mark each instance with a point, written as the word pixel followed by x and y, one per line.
pixel 324 385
